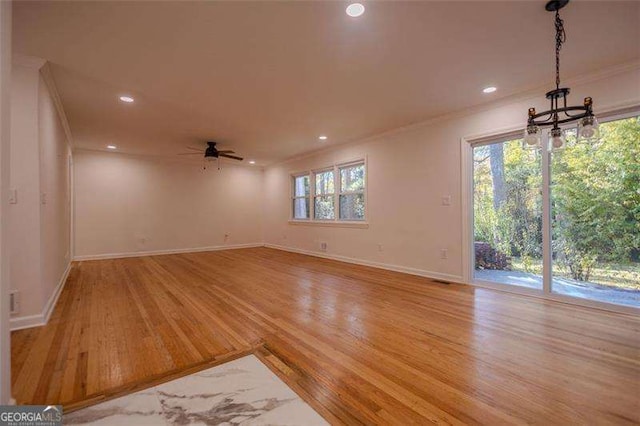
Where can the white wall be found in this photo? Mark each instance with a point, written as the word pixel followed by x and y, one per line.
pixel 5 136
pixel 128 204
pixel 24 232
pixel 55 184
pixel 409 171
pixel 39 233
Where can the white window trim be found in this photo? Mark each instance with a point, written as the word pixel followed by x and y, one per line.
pixel 294 197
pixel 336 221
pixel 468 259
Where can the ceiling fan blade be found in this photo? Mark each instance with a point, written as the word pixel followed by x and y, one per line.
pixel 194 149
pixel 233 157
pixel 191 153
pixel 225 152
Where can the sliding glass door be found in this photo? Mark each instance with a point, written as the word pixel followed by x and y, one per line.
pixel 507 214
pixel 563 222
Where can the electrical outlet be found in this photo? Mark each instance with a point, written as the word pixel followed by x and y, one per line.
pixel 380 247
pixel 43 198
pixel 323 246
pixel 444 253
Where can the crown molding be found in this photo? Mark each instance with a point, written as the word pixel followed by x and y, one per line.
pixel 527 93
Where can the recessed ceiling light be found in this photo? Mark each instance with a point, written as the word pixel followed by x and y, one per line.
pixel 111 146
pixel 489 89
pixel 322 138
pixel 355 9
pixel 127 99
pixel 252 162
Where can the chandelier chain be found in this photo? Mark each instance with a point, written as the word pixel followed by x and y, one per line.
pixel 561 37
pixel 559 112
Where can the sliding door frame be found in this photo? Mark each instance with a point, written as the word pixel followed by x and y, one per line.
pixel 468 256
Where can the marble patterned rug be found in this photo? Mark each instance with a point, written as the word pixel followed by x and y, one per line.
pixel 240 392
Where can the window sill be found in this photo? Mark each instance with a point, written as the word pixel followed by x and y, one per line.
pixel 330 223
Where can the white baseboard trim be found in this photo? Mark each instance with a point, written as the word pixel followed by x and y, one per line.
pixel 18 323
pixel 51 303
pixel 387 266
pixel 160 252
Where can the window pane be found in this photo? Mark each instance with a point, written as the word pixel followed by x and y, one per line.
pixel 507 208
pixel 324 208
pixel 352 207
pixel 352 178
pixel 324 183
pixel 301 208
pixel 595 218
pixel 301 186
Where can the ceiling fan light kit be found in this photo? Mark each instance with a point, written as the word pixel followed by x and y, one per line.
pixel 559 112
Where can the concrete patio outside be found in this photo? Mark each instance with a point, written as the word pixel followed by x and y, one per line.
pixel 566 286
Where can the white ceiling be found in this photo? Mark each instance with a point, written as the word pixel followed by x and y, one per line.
pixel 266 78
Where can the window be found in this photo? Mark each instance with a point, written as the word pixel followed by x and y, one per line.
pixel 331 195
pixel 324 205
pixel 301 193
pixel 352 192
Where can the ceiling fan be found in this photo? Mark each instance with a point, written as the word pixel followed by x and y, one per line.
pixel 211 153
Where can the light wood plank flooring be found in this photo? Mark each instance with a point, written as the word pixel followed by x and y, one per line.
pixel 362 345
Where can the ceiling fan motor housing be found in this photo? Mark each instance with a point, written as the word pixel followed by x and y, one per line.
pixel 211 150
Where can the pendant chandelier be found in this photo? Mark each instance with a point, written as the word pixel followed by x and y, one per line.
pixel 560 113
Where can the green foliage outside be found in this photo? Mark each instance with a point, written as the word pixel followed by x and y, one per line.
pixel 596 193
pixel 515 228
pixel 324 208
pixel 352 180
pixel 595 209
pixel 352 205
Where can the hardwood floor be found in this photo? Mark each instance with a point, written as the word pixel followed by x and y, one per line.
pixel 362 345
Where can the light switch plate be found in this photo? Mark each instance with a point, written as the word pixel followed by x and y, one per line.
pixel 13 196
